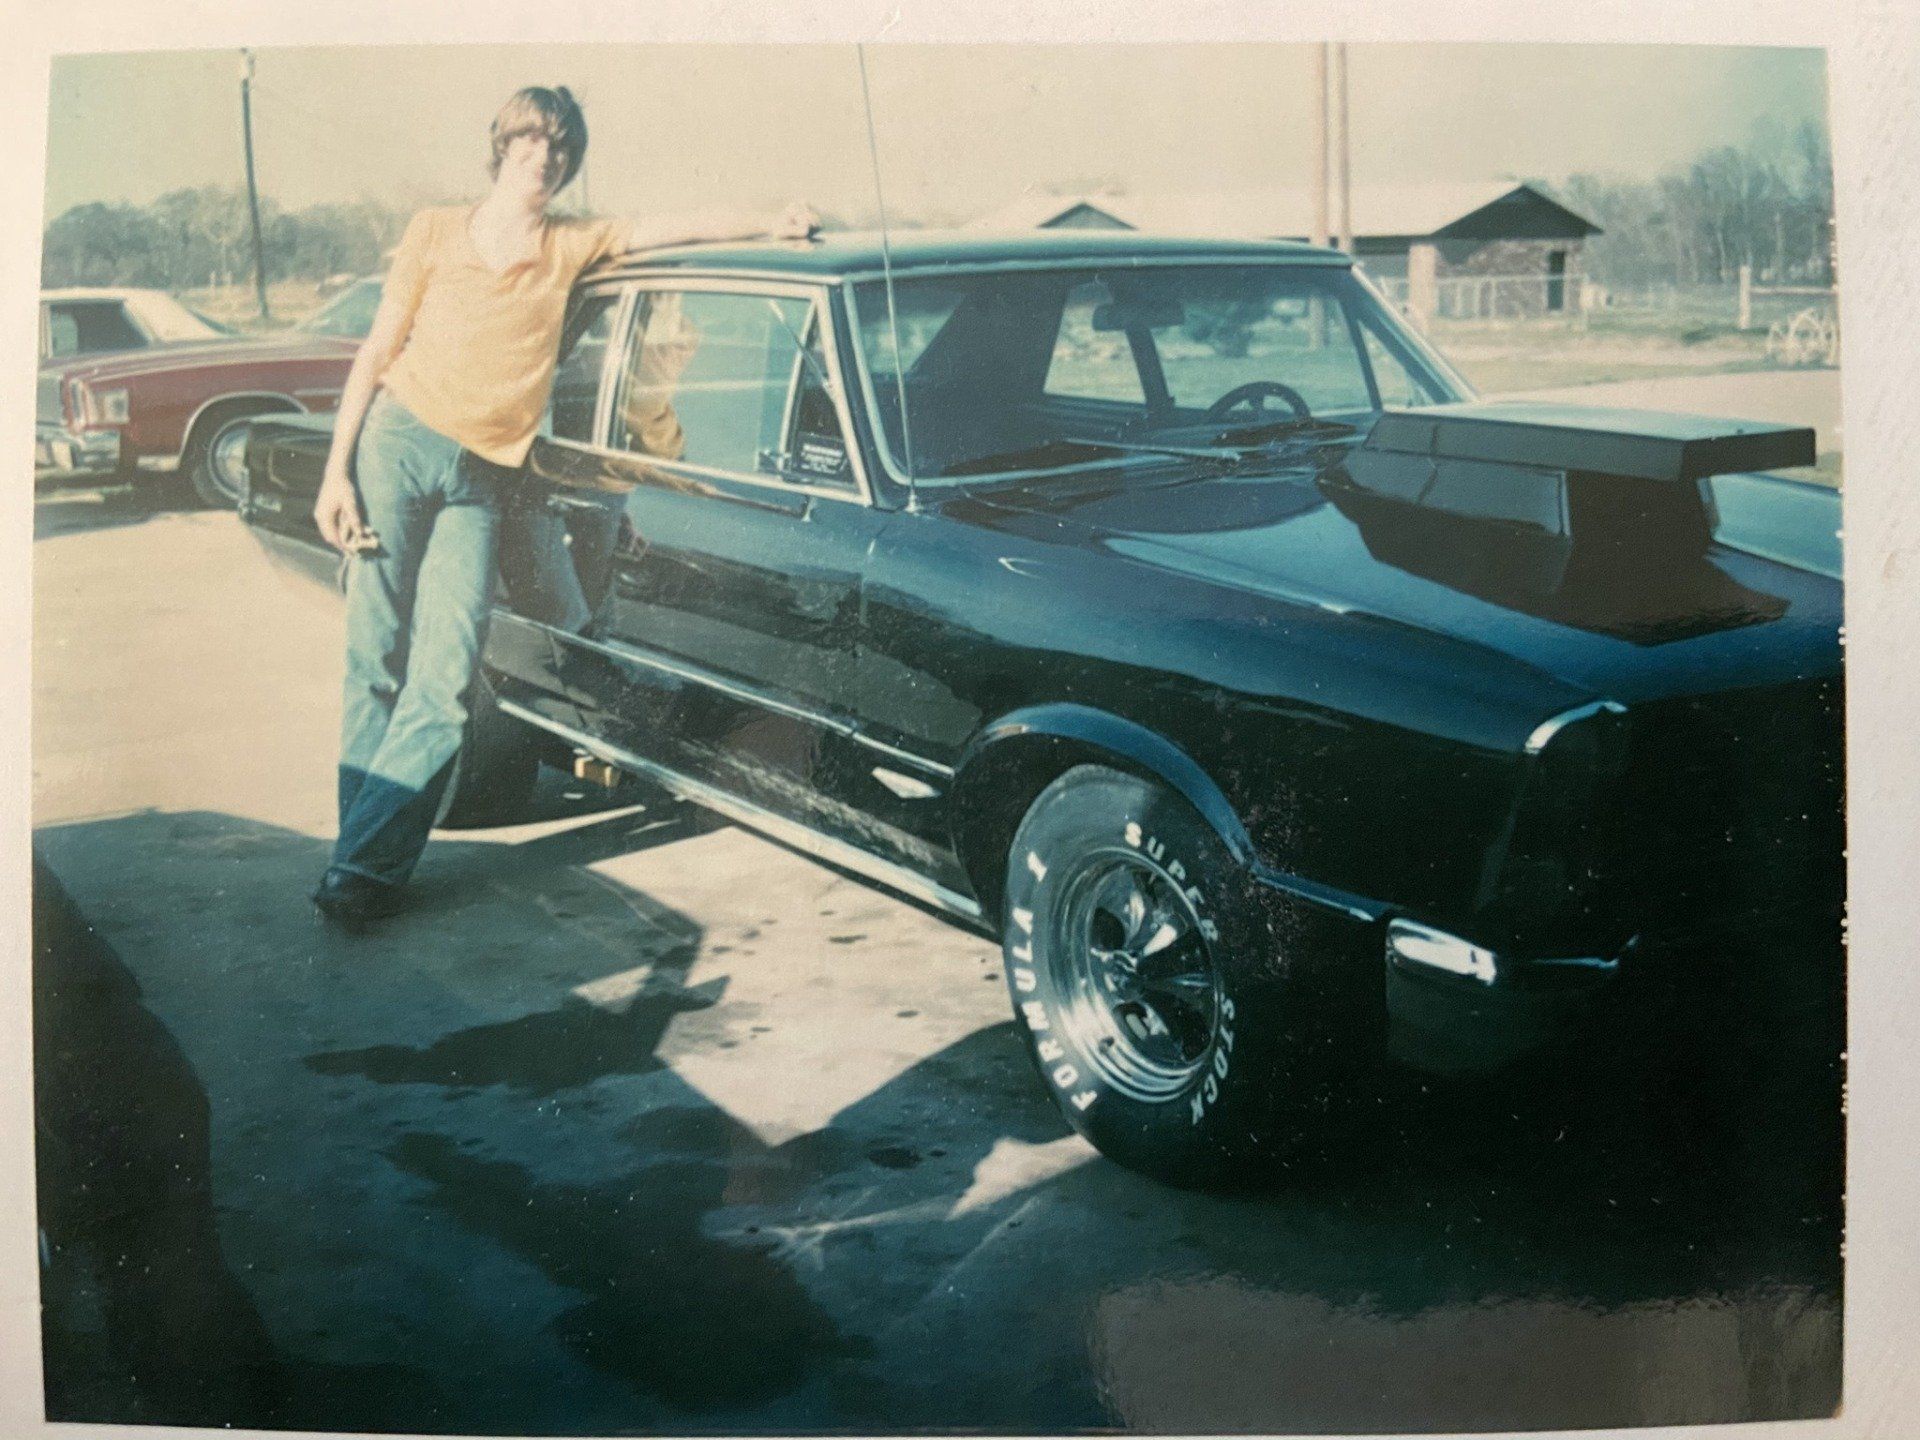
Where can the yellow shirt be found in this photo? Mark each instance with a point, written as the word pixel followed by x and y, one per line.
pixel 478 360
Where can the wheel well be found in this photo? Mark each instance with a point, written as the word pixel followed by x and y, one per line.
pixel 218 412
pixel 995 794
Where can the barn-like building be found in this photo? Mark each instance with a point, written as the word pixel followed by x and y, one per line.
pixel 1481 249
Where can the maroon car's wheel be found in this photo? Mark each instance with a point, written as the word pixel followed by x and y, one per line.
pixel 214 461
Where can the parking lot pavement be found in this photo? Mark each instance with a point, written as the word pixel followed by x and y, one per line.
pixel 639 1122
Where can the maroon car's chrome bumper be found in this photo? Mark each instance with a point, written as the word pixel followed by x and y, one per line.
pixel 62 454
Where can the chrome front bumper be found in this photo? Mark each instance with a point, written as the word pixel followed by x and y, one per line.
pixel 62 454
pixel 1454 1006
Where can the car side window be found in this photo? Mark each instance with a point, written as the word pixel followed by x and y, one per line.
pixel 815 448
pixel 707 379
pixel 106 327
pixel 63 333
pixel 576 381
pixel 86 329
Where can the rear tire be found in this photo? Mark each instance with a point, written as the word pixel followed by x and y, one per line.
pixel 1167 1020
pixel 495 770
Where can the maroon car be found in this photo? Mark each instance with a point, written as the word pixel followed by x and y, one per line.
pixel 174 408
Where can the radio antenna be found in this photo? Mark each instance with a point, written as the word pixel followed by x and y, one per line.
pixel 886 268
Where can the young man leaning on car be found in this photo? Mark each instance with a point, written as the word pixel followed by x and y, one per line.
pixel 439 409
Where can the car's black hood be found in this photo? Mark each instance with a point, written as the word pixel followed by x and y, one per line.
pixel 1642 625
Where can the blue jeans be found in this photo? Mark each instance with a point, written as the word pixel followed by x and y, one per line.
pixel 417 613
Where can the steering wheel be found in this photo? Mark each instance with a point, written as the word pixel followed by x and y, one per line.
pixel 1252 394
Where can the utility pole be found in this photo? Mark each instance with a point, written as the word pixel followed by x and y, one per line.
pixel 1320 143
pixel 1343 168
pixel 253 193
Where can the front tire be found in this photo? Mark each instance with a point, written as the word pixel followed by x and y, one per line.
pixel 1165 1017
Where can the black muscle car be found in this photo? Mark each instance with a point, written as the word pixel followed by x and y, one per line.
pixel 1172 611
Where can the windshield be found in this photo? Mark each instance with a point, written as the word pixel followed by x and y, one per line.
pixel 1017 371
pixel 349 314
pixel 166 319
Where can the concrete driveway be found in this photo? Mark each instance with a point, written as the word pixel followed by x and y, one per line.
pixel 637 1122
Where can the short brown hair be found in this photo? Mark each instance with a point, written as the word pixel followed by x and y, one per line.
pixel 538 110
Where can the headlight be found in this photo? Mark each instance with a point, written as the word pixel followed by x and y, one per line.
pixel 111 407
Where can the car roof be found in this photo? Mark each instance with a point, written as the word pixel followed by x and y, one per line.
pixel 856 252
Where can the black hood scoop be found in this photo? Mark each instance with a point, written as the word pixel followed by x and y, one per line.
pixel 1591 518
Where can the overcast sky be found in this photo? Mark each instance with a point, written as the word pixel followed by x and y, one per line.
pixel 961 129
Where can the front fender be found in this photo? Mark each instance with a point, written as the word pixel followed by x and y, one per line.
pixel 1087 727
pixel 1012 759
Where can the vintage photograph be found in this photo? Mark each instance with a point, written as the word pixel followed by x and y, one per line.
pixel 872 738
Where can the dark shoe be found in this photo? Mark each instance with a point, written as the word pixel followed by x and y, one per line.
pixel 353 899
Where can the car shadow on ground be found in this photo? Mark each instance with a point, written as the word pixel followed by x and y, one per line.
pixel 76 510
pixel 941 1253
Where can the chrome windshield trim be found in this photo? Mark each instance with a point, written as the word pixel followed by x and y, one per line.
pixel 1410 334
pixel 896 472
pixel 1544 732
pixel 789 832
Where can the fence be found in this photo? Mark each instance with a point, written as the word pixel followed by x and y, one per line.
pixel 1814 295
pixel 1800 322
pixel 1494 297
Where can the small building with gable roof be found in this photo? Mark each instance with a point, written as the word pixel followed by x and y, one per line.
pixel 1476 249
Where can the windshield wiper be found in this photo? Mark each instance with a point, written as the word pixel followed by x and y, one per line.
pixel 1196 452
pixel 1064 451
pixel 1240 439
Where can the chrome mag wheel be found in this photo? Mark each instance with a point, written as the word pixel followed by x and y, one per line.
pixel 1141 992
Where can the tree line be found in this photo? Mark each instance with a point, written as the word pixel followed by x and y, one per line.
pixel 203 236
pixel 1767 204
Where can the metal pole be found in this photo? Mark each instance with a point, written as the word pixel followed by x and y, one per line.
pixel 1343 151
pixel 253 194
pixel 1320 143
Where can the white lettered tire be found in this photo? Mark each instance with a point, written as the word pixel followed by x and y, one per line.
pixel 1153 1000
